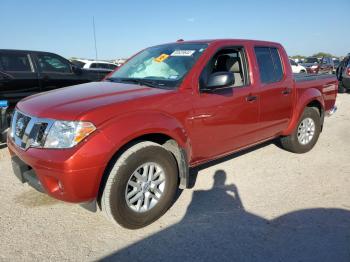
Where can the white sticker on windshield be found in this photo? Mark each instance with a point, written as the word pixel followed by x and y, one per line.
pixel 174 77
pixel 183 53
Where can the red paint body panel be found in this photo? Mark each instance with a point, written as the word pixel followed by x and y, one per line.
pixel 205 125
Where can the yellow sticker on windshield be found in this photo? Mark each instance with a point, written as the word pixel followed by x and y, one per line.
pixel 161 58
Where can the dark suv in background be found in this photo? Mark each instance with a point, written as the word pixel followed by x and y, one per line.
pixel 343 74
pixel 314 65
pixel 24 73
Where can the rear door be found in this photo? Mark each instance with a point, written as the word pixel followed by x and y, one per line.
pixel 275 92
pixel 56 72
pixel 18 77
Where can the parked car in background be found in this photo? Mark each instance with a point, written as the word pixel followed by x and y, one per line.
pixel 127 143
pixel 24 73
pixel 343 75
pixel 95 65
pixel 326 65
pixel 336 62
pixel 311 64
pixel 297 68
pixel 314 65
pixel 101 67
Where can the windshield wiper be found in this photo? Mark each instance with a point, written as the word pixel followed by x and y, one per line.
pixel 144 82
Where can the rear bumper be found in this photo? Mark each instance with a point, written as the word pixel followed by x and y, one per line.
pixel 71 175
pixel 332 111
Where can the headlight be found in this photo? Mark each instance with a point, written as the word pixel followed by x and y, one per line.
pixel 66 134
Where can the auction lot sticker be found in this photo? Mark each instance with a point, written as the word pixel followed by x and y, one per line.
pixel 161 58
pixel 183 53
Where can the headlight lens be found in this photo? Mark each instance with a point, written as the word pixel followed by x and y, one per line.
pixel 66 134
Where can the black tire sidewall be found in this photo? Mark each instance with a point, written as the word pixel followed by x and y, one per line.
pixel 119 208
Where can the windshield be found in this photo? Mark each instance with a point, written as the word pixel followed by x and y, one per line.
pixel 311 60
pixel 78 63
pixel 164 65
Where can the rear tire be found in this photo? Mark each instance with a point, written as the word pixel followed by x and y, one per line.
pixel 130 174
pixel 306 133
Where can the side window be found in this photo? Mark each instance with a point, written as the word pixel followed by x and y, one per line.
pixel 52 63
pixel 93 65
pixel 15 62
pixel 104 66
pixel 278 64
pixel 269 62
pixel 227 60
pixel 292 62
pixel 112 67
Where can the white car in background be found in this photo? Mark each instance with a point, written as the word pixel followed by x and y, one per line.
pixel 93 64
pixel 296 68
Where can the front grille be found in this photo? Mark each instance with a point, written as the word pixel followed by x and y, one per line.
pixel 28 131
pixel 22 122
pixel 41 133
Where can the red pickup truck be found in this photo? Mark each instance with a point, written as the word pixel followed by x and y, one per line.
pixel 126 144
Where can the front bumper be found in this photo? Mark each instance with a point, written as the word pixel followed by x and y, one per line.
pixel 26 174
pixel 71 175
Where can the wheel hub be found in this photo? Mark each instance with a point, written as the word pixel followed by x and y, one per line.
pixel 145 187
pixel 306 131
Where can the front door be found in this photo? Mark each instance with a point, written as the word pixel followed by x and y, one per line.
pixel 224 120
pixel 56 72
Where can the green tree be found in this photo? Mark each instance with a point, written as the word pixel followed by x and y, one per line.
pixel 322 54
pixel 298 57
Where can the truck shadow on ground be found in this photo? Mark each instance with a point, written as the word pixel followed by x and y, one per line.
pixel 216 227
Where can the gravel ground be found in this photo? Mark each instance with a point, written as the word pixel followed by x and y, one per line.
pixel 263 204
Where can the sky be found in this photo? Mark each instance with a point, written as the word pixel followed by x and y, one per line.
pixel 124 27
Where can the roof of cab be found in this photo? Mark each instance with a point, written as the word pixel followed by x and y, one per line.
pixel 224 40
pixel 21 51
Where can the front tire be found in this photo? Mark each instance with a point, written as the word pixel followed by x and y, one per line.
pixel 306 134
pixel 141 185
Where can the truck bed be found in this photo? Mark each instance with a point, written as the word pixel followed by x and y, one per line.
pixel 327 84
pixel 309 77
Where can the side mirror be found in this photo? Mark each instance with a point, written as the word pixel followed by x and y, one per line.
pixel 220 80
pixel 77 70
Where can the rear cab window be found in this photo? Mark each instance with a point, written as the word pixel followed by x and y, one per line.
pixel 16 62
pixel 270 64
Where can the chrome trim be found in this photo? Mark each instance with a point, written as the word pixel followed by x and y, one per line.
pixel 332 111
pixel 32 129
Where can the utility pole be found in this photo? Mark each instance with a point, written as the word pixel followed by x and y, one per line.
pixel 93 27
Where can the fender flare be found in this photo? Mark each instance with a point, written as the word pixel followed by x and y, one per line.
pixel 149 123
pixel 306 98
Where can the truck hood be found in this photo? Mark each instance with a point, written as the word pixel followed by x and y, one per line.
pixel 70 103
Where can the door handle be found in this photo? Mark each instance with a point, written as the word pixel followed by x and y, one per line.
pixel 251 98
pixel 286 91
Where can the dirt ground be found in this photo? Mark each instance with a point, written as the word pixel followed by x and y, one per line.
pixel 264 204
